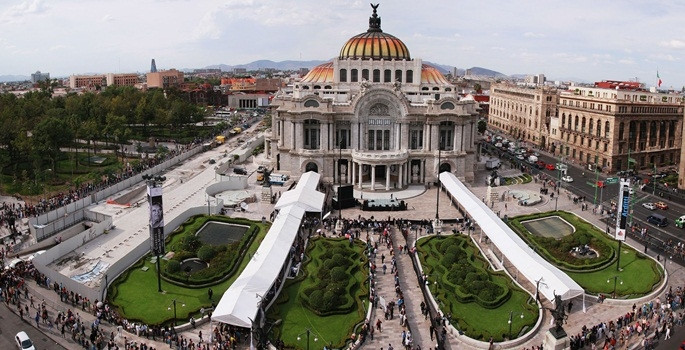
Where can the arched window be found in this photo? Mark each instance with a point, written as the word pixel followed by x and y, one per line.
pixel 387 76
pixel 575 124
pixel 606 129
pixel 343 75
pixel 591 126
pixel 376 75
pixel 563 119
pixel 312 131
pixel 410 76
pixel 398 75
pixel 365 74
pixel 354 76
pixel 311 103
pixel 447 105
pixel 582 125
pixel 599 128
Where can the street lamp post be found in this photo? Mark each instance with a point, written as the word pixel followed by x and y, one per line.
pixel 308 331
pixel 173 301
pixel 340 146
pixel 155 182
pixel 511 316
pixel 437 196
pixel 615 280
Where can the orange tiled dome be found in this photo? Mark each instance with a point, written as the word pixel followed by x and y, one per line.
pixel 374 44
pixel 322 73
pixel 431 75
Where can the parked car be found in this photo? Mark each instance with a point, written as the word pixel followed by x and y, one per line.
pixel 261 169
pixel 649 205
pixel 661 205
pixel 23 341
pixel 540 164
pixel 240 171
pixel 566 178
pixel 680 222
pixel 550 166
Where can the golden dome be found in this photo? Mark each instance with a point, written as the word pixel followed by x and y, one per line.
pixel 374 44
pixel 322 73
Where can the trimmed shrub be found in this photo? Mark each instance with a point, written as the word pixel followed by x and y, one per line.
pixel 206 253
pixel 173 266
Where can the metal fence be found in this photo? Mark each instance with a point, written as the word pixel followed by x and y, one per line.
pixel 50 223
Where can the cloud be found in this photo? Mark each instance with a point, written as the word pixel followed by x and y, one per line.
pixel 673 44
pixel 533 35
pixel 58 47
pixel 18 13
pixel 663 57
pixel 626 61
pixel 107 18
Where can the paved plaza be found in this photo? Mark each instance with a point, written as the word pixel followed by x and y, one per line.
pixel 185 186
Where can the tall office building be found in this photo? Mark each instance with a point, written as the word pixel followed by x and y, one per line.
pixel 153 66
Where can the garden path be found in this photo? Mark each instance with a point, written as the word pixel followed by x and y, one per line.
pixel 385 287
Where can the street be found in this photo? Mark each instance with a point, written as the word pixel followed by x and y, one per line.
pixel 11 325
pixel 583 186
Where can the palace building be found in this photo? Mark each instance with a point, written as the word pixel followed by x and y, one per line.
pixel 373 117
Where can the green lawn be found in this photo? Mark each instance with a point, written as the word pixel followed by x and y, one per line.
pixel 136 297
pixel 296 318
pixel 638 274
pixel 475 320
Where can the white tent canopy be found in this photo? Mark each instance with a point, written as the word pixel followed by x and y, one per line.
pixel 529 263
pixel 304 194
pixel 240 302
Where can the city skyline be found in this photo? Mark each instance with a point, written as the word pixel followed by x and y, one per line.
pixel 582 40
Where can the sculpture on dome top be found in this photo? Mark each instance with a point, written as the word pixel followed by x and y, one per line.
pixel 374 20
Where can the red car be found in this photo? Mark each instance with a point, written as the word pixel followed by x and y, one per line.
pixel 540 164
pixel 550 166
pixel 661 205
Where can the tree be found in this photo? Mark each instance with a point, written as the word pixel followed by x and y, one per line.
pixel 49 136
pixel 117 128
pixel 482 126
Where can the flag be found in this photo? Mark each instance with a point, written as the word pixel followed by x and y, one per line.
pixel 658 79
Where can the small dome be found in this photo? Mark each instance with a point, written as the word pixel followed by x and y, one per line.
pixel 374 44
pixel 322 73
pixel 431 75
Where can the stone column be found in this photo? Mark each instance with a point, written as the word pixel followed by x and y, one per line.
pixel 400 174
pixel 387 177
pixel 324 130
pixel 435 136
pixel 456 139
pixel 426 137
pixel 373 177
pixel 361 174
pixel 461 142
pixel 352 169
pixel 300 135
pixel 267 143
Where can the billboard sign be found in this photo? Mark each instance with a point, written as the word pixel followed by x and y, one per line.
pixel 154 200
pixel 622 211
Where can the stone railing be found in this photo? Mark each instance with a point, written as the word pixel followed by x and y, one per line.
pixel 381 157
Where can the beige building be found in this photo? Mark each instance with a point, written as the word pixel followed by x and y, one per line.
pixel 165 79
pixel 604 127
pixel 87 81
pixel 524 113
pixel 125 79
pixel 373 117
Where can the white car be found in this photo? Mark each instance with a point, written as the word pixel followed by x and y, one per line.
pixel 23 341
pixel 566 178
pixel 649 206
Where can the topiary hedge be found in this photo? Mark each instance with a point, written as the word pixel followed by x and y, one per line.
pixel 331 289
pixel 468 280
pixel 558 250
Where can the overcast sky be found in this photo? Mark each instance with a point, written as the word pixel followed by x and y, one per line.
pixel 588 40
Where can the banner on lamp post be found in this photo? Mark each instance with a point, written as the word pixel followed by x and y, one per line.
pixel 154 199
pixel 622 211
